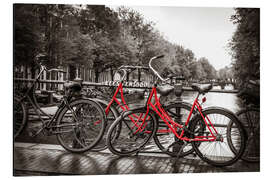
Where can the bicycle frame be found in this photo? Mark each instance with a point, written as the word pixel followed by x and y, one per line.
pixel 122 105
pixel 173 125
pixel 125 107
pixel 29 94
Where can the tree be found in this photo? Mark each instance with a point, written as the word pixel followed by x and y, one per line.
pixel 208 68
pixel 27 40
pixel 102 25
pixel 225 73
pixel 96 37
pixel 245 44
pixel 197 70
pixel 140 30
pixel 183 58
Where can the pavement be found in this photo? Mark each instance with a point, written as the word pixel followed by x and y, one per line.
pixel 33 159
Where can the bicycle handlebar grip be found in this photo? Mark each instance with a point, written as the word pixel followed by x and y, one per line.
pixel 160 56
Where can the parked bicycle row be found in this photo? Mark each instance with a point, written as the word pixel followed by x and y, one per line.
pixel 215 134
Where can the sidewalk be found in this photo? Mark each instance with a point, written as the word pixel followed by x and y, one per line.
pixel 44 159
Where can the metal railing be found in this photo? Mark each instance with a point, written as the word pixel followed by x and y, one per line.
pixel 93 84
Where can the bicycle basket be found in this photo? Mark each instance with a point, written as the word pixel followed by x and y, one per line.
pixel 161 66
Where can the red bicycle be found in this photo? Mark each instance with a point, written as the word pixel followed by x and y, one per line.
pixel 205 129
pixel 114 106
pixel 118 104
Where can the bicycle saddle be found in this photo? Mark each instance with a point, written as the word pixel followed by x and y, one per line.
pixel 74 86
pixel 165 90
pixel 202 88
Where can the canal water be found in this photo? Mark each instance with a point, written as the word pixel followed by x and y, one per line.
pixel 226 100
pixel 229 101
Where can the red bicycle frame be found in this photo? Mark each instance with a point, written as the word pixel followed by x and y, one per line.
pixel 173 125
pixel 124 107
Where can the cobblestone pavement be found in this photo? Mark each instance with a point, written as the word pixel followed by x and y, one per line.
pixel 40 159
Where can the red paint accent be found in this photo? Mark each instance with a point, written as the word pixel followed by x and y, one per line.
pixel 97 122
pixel 204 99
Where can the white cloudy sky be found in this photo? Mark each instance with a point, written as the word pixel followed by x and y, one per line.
pixel 206 31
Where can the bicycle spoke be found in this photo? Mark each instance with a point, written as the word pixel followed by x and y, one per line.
pixel 131 138
pixel 220 152
pixel 76 125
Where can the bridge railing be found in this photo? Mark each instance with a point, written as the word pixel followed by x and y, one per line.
pixel 106 84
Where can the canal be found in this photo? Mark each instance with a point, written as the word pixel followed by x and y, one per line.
pixel 225 100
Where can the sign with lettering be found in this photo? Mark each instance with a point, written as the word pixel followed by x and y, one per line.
pixel 127 84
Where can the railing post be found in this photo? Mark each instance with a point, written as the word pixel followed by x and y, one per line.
pixel 44 78
pixel 61 78
pixel 77 72
pixel 67 74
pixel 28 70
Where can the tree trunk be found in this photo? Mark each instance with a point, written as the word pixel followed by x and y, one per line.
pixel 96 75
pixel 111 71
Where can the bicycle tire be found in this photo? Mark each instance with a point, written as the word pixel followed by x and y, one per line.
pixel 125 144
pixel 251 125
pixel 163 141
pixel 95 123
pixel 19 117
pixel 110 118
pixel 209 155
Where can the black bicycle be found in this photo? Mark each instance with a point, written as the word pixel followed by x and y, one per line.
pixel 78 123
pixel 250 118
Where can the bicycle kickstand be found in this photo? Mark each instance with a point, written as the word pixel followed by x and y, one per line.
pixel 180 151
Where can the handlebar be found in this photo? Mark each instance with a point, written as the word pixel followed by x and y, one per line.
pixel 51 70
pixel 154 71
pixel 160 56
pixel 43 67
pixel 123 70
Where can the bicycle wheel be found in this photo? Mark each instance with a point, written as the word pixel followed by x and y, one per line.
pixel 19 117
pixel 136 131
pixel 80 127
pixel 166 140
pixel 218 152
pixel 250 118
pixel 110 117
